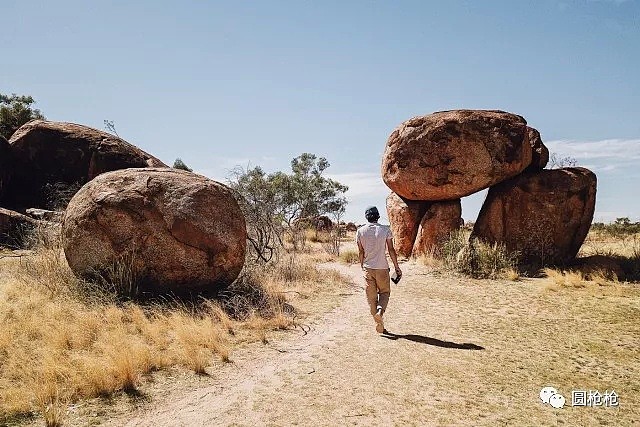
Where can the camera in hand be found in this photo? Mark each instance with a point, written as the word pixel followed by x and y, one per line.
pixel 395 278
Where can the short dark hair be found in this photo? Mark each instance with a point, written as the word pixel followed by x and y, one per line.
pixel 372 214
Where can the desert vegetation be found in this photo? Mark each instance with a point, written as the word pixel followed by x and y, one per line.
pixel 66 339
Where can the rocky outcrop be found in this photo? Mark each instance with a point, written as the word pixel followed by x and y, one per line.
pixel 404 219
pixel 539 152
pixel 14 228
pixel 179 232
pixel 451 154
pixel 6 165
pixel 545 216
pixel 53 155
pixel 437 224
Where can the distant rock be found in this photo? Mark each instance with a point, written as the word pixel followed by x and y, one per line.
pixel 351 227
pixel 436 226
pixel 181 232
pixel 404 219
pixel 544 215
pixel 539 153
pixel 451 154
pixel 50 156
pixel 14 228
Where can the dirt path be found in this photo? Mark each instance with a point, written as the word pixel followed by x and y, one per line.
pixel 462 352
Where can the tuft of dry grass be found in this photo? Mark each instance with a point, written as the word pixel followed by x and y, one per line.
pixel 349 257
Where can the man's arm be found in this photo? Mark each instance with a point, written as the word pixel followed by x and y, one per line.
pixel 361 254
pixel 394 256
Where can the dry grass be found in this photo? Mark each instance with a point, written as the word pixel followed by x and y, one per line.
pixel 349 257
pixel 64 339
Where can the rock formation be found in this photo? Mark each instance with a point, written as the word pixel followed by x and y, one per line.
pixel 438 222
pixel 404 218
pixel 539 153
pixel 14 227
pixel 64 154
pixel 545 216
pixel 6 165
pixel 451 154
pixel 179 232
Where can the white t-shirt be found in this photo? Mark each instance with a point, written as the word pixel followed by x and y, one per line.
pixel 373 238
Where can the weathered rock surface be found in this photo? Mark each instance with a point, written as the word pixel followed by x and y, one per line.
pixel 13 228
pixel 544 215
pixel 58 154
pixel 539 153
pixel 451 154
pixel 45 215
pixel 404 219
pixel 438 222
pixel 6 165
pixel 180 231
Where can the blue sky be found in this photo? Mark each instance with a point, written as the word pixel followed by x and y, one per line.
pixel 221 84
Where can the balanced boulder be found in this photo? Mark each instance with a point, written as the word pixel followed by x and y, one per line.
pixel 451 154
pixel 58 154
pixel 545 216
pixel 177 231
pixel 404 219
pixel 437 224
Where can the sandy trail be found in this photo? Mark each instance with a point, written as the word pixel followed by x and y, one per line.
pixel 459 355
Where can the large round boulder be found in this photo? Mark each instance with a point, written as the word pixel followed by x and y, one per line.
pixel 545 216
pixel 451 154
pixel 53 156
pixel 175 231
pixel 404 219
pixel 439 221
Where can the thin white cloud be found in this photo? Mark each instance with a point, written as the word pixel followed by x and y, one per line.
pixel 625 150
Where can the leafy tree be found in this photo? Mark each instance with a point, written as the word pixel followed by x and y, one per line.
pixel 16 110
pixel 179 164
pixel 275 202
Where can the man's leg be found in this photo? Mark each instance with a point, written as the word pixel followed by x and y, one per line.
pixel 384 289
pixel 371 290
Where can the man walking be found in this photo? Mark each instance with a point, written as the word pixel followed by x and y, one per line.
pixel 373 241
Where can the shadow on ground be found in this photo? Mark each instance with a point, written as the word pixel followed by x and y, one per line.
pixel 431 341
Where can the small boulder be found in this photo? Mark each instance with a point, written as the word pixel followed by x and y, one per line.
pixel 404 219
pixel 451 154
pixel 179 232
pixel 545 215
pixel 437 224
pixel 14 228
pixel 539 153
pixel 53 156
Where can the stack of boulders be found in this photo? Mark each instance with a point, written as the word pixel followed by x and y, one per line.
pixel 432 161
pixel 172 231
